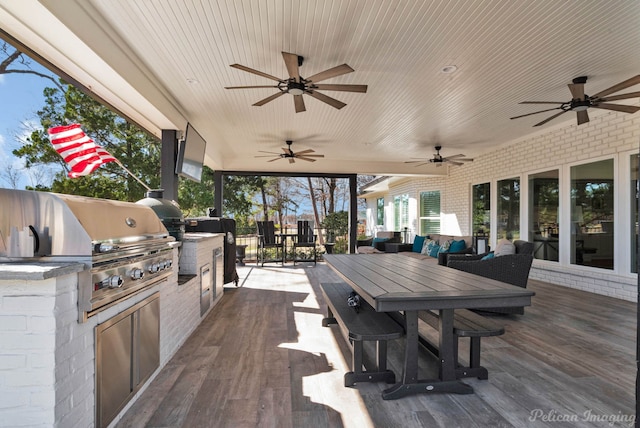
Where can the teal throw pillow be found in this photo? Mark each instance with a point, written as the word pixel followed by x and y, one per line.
pixel 418 242
pixel 375 240
pixel 433 249
pixel 488 256
pixel 457 246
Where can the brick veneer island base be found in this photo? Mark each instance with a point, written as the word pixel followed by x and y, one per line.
pixel 47 357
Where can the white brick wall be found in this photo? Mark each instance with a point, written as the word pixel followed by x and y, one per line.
pixel 47 358
pixel 557 147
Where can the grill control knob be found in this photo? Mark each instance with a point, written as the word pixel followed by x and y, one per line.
pixel 114 281
pixel 168 263
pixel 154 267
pixel 137 274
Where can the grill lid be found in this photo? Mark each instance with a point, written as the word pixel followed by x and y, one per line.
pixel 69 225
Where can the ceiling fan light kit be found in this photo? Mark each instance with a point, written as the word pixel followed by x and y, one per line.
pixel 581 102
pixel 297 85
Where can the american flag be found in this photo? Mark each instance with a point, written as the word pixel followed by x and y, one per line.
pixel 79 151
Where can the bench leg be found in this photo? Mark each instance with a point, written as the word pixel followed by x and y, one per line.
pixel 330 319
pixel 474 352
pixel 381 374
pixel 474 369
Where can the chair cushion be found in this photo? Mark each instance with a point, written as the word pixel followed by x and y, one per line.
pixel 457 246
pixel 384 235
pixel 418 242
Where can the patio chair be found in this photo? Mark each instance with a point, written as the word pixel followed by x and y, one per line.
pixel 268 240
pixel 511 268
pixel 305 239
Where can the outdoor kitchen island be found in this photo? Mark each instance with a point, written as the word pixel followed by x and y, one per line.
pixel 82 334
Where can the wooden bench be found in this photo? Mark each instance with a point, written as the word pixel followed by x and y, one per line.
pixel 465 324
pixel 364 325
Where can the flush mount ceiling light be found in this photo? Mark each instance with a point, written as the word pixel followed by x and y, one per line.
pixel 448 69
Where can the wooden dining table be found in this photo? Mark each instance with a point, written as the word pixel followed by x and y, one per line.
pixel 396 282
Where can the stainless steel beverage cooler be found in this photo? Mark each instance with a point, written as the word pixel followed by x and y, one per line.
pixel 219 225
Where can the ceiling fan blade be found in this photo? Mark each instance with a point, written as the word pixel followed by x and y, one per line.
pixel 332 72
pixel 311 156
pixel 621 97
pixel 456 163
pixel 583 117
pixel 249 87
pixel 291 61
pixel 550 118
pixel 464 160
pixel 577 90
pixel 620 86
pixel 346 88
pixel 271 153
pixel 617 107
pixel 274 159
pixel 251 70
pixel 299 103
pixel 540 102
pixel 304 152
pixel 271 98
pixel 454 156
pixel 305 158
pixel 287 151
pixel 324 98
pixel 292 160
pixel 417 161
pixel 535 112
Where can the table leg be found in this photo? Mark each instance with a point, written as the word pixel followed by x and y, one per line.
pixel 410 384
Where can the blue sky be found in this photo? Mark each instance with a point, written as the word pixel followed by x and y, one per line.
pixel 21 96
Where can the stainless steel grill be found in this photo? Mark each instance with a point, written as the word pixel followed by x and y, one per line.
pixel 125 245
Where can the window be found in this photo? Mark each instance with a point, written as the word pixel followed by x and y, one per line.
pixel 634 212
pixel 380 211
pixel 430 212
pixel 508 209
pixel 592 190
pixel 544 230
pixel 401 211
pixel 481 205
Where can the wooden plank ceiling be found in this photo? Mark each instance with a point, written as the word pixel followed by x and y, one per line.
pixel 167 63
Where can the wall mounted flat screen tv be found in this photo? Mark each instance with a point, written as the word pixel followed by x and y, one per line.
pixel 191 155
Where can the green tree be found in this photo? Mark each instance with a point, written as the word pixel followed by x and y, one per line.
pixel 137 150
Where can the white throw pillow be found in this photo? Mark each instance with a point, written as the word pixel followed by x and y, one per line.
pixel 504 248
pixel 426 246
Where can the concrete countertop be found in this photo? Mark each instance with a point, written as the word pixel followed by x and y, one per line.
pixel 33 271
pixel 198 236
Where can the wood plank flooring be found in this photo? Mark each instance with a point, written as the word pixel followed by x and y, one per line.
pixel 262 359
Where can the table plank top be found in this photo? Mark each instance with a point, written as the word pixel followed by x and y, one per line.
pixel 397 282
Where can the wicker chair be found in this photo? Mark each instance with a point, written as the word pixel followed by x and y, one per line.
pixel 512 269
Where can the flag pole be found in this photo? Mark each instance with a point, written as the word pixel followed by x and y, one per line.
pixel 131 174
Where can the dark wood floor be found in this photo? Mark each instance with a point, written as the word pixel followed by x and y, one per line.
pixel 262 359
